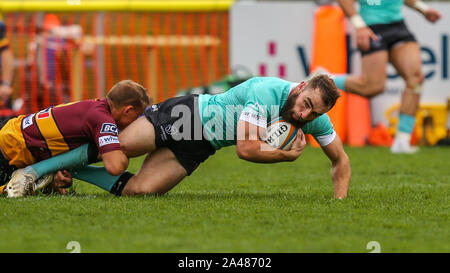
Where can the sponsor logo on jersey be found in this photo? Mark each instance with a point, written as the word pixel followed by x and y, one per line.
pixel 171 130
pixel 43 114
pixel 27 121
pixel 253 118
pixel 106 140
pixel 109 128
pixel 154 108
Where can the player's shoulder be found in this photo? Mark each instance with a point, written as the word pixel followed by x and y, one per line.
pixel 98 108
pixel 86 106
pixel 94 104
pixel 268 81
pixel 268 87
pixel 262 84
pixel 322 120
pixel 93 110
pixel 320 126
pixel 100 117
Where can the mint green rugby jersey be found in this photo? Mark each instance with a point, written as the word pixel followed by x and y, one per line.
pixel 258 101
pixel 381 11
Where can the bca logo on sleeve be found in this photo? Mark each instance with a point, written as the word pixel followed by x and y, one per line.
pixel 109 128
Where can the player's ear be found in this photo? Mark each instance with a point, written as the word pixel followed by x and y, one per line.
pixel 302 84
pixel 127 109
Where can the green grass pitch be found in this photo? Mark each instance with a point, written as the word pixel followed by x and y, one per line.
pixel 229 205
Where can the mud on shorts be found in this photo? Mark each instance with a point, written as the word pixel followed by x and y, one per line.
pixel 389 36
pixel 188 144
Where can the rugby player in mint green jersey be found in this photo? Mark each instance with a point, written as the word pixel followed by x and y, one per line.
pixel 382 36
pixel 236 117
pixel 182 132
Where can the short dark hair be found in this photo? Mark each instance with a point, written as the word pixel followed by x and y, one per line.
pixel 128 92
pixel 327 87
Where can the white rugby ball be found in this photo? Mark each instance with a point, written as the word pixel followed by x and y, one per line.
pixel 280 134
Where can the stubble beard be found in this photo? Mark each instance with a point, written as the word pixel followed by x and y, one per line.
pixel 287 112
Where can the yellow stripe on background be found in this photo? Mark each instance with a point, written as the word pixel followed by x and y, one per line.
pixel 50 131
pixel 115 5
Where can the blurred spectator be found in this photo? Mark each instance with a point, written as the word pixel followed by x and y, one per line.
pixel 50 51
pixel 7 73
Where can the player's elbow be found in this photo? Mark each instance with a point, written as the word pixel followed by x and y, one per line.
pixel 345 159
pixel 116 167
pixel 243 150
pixel 115 170
pixel 241 154
pixel 342 160
pixel 372 90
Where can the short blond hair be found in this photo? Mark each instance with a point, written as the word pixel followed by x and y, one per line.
pixel 128 92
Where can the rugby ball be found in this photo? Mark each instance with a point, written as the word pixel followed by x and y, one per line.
pixel 280 134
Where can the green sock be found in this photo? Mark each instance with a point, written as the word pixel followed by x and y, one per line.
pixel 406 123
pixel 76 158
pixel 339 80
pixel 99 177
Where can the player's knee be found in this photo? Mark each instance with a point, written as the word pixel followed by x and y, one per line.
pixel 153 189
pixel 415 78
pixel 414 82
pixel 142 189
pixel 131 190
pixel 374 89
pixel 370 87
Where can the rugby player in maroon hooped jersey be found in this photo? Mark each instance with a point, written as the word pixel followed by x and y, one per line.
pixel 27 139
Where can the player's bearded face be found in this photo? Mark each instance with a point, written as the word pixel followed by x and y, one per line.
pixel 288 113
pixel 303 106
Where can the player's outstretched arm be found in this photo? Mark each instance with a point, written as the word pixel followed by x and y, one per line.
pixel 250 147
pixel 363 33
pixel 348 6
pixel 430 14
pixel 340 167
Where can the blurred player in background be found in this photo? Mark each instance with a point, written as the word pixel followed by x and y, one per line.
pixel 382 36
pixel 180 133
pixel 27 139
pixel 7 73
pixel 49 51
